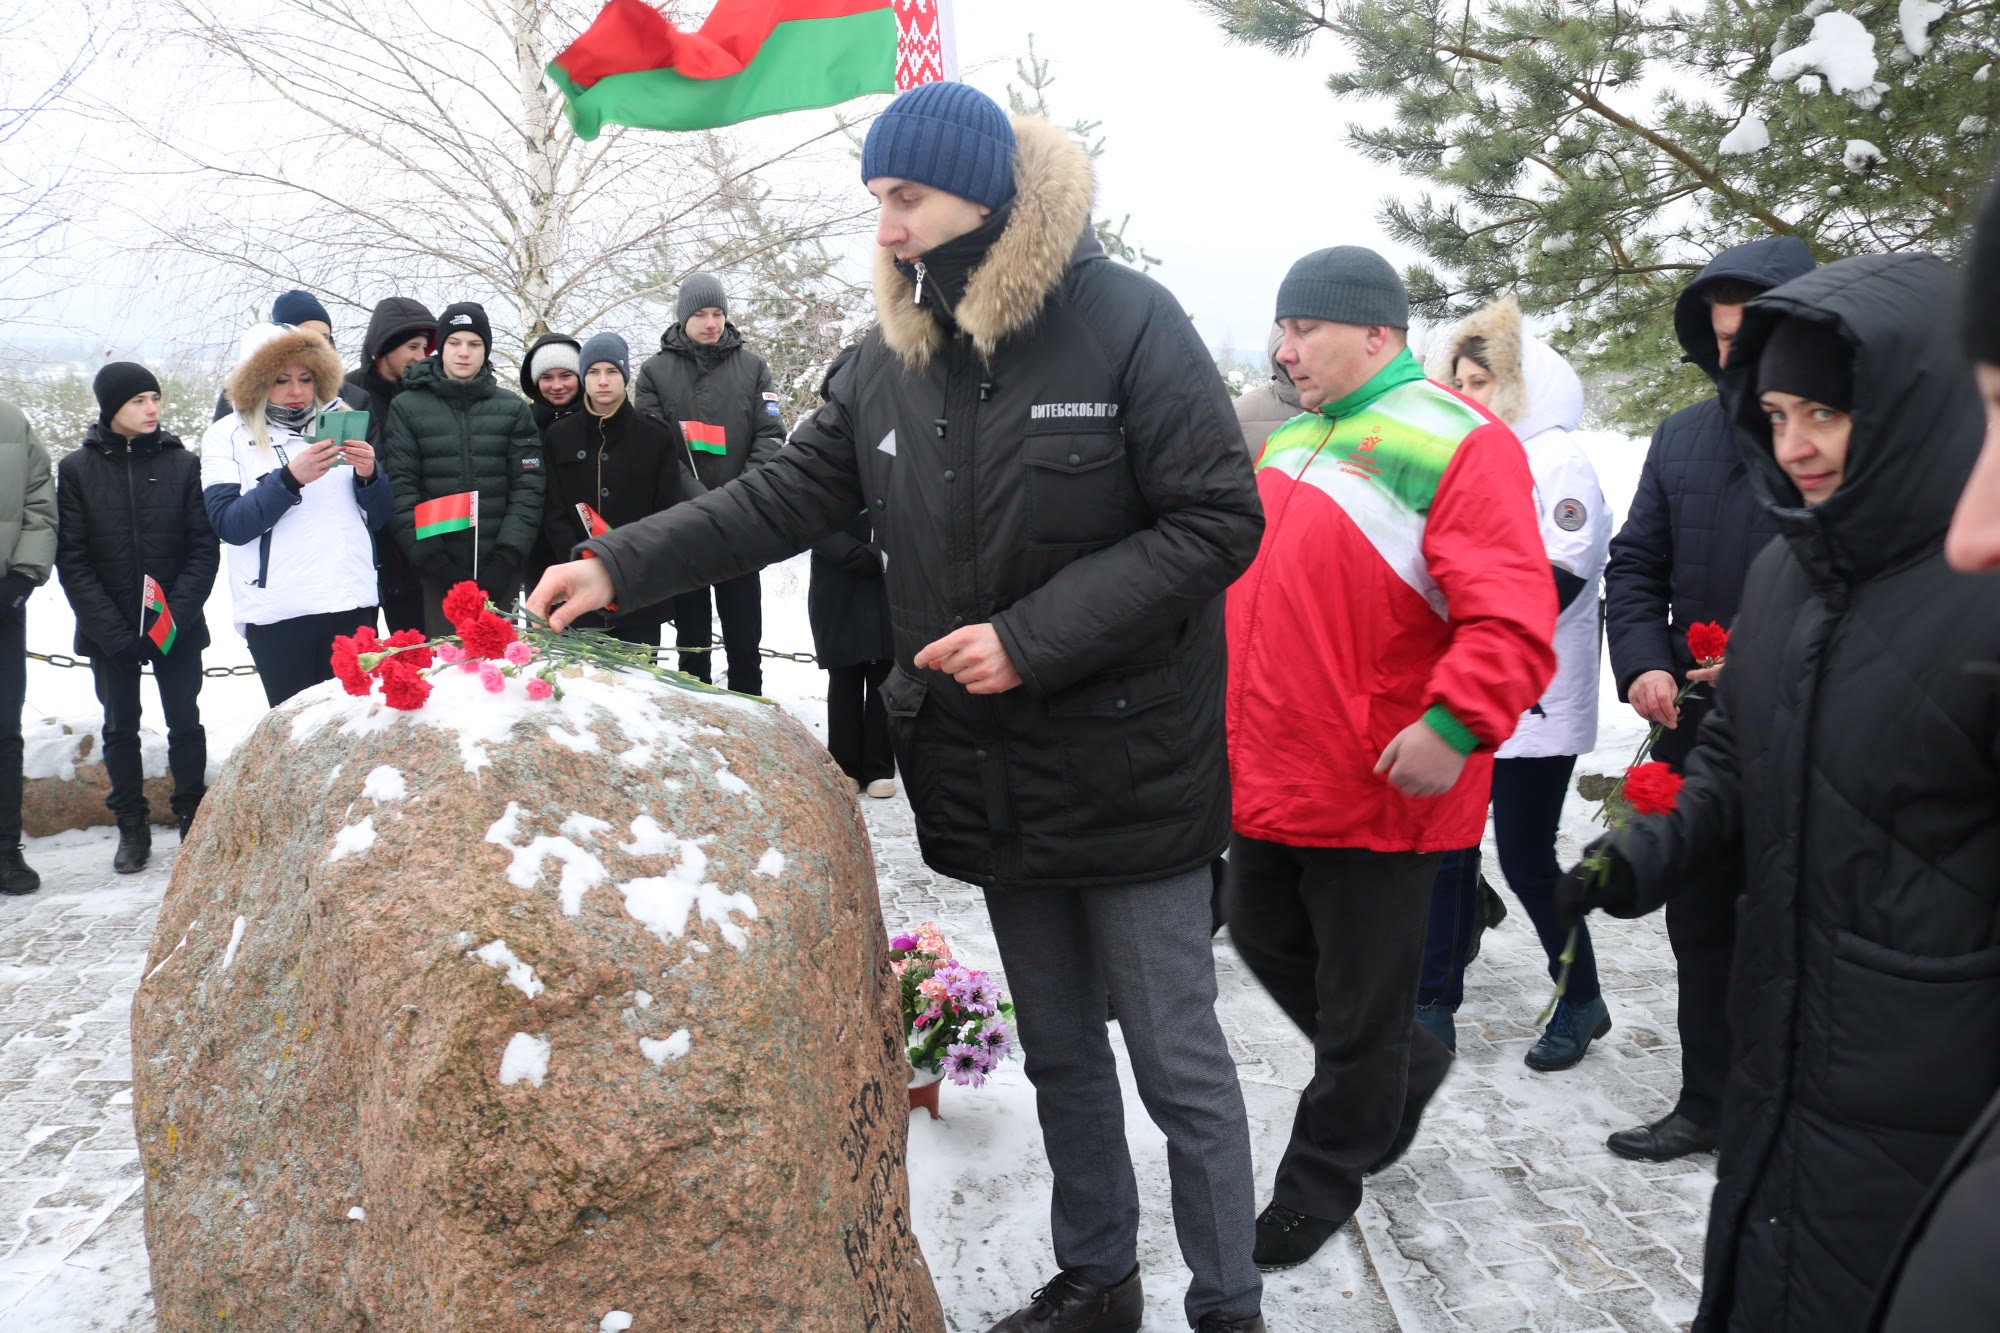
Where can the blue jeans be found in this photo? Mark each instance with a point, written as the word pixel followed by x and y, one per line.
pixel 1527 808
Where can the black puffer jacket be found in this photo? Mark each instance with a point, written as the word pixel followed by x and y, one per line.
pixel 1854 759
pixel 127 509
pixel 1061 463
pixel 1695 522
pixel 546 414
pixel 626 467
pixel 726 385
pixel 1944 1279
pixel 847 601
pixel 446 436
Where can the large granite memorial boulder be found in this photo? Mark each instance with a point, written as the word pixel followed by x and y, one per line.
pixel 504 1015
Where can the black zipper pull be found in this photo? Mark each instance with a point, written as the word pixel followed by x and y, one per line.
pixel 939 423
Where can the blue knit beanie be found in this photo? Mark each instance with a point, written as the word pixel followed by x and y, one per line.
pixel 606 347
pixel 948 136
pixel 295 307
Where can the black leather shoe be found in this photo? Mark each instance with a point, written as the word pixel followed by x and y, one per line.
pixel 1663 1140
pixel 1071 1305
pixel 1286 1239
pixel 17 877
pixel 1217 1322
pixel 135 847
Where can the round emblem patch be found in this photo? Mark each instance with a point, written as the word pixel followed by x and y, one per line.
pixel 1570 515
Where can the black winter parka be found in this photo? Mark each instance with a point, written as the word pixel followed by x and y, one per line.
pixel 126 509
pixel 1058 459
pixel 1854 760
pixel 725 385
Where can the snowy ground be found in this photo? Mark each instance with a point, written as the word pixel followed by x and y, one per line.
pixel 1509 1213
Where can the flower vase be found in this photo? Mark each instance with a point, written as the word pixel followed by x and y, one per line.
pixel 924 1085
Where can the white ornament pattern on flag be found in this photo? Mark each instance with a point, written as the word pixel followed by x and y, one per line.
pixel 923 43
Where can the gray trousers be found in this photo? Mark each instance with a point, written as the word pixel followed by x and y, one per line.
pixel 1147 948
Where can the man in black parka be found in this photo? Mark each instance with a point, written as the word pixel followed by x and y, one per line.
pixel 1053 468
pixel 1693 528
pixel 401 332
pixel 1853 761
pixel 716 393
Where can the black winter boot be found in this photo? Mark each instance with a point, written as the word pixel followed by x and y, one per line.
pixel 17 877
pixel 135 846
pixel 1068 1304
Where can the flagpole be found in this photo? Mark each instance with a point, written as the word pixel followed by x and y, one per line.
pixel 475 536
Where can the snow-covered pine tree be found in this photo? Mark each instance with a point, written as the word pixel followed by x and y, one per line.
pixel 1590 155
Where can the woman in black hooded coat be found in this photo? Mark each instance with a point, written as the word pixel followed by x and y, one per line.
pixel 1854 760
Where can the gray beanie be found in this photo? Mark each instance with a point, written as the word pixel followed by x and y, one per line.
pixel 699 292
pixel 1348 284
pixel 606 347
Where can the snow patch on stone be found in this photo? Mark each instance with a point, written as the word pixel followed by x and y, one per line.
pixel 726 780
pixel 583 742
pixel 525 1059
pixel 581 870
pixel 235 938
pixel 584 828
pixel 670 1048
pixel 1840 48
pixel 770 864
pixel 357 1214
pixel 642 998
pixel 1751 135
pixel 385 784
pixel 156 967
pixel 661 903
pixel 615 1322
pixel 520 975
pixel 648 839
pixel 353 840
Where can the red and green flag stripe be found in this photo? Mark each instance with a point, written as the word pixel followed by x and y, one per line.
pixel 163 629
pixel 593 522
pixel 750 58
pixel 447 513
pixel 704 437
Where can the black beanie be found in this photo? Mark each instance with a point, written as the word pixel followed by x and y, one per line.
pixel 1981 327
pixel 1347 284
pixel 1809 359
pixel 465 317
pixel 117 384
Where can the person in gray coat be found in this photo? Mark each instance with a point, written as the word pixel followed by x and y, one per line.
pixel 1270 405
pixel 28 540
pixel 705 383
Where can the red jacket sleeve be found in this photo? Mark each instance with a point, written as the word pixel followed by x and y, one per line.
pixel 1484 549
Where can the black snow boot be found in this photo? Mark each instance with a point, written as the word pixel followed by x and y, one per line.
pixel 16 875
pixel 135 846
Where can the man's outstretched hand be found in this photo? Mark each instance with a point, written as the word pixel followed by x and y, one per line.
pixel 973 656
pixel 571 590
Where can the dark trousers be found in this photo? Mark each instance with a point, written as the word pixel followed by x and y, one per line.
pixel 402 604
pixel 297 654
pixel 1701 927
pixel 13 693
pixel 178 675
pixel 739 604
pixel 434 623
pixel 857 725
pixel 1336 935
pixel 1528 799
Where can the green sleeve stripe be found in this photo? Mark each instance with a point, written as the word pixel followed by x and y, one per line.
pixel 1455 733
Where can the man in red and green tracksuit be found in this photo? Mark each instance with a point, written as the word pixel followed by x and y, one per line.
pixel 1395 625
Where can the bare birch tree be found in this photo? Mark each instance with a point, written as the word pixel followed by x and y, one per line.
pixel 417 149
pixel 36 173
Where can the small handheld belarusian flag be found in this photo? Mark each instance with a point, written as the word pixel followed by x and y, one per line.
pixel 163 629
pixel 448 513
pixel 709 439
pixel 750 58
pixel 593 522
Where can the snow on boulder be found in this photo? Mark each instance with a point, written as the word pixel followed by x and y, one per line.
pixel 63 782
pixel 585 1034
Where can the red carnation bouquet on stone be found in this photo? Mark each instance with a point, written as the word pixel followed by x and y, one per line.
pixel 498 648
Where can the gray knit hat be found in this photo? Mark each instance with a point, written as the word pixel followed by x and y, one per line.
pixel 607 347
pixel 699 292
pixel 1348 284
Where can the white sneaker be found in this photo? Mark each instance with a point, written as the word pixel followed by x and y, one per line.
pixel 882 788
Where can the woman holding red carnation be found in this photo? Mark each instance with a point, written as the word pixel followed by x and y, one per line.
pixel 1853 761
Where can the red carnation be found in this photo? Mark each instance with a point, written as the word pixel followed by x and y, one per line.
pixel 406 689
pixel 486 635
pixel 1708 641
pixel 347 665
pixel 1652 789
pixel 416 654
pixel 463 604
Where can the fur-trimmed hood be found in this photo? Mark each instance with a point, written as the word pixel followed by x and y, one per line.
pixel 1535 389
pixel 1054 190
pixel 250 383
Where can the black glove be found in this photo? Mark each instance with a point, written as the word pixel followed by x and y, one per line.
pixel 864 561
pixel 14 590
pixel 500 575
pixel 1613 888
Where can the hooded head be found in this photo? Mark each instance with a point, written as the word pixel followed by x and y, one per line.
pixel 1974 543
pixel 1738 274
pixel 1534 390
pixel 397 320
pixel 265 352
pixel 1915 419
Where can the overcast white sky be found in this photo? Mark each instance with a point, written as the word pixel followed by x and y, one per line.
pixel 1231 162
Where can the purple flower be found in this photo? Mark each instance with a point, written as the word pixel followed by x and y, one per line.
pixel 972 991
pixel 903 943
pixel 967 1066
pixel 996 1039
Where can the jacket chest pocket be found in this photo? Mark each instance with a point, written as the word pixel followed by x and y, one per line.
pixel 1080 489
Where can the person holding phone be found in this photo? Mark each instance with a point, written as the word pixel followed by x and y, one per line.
pixel 296 510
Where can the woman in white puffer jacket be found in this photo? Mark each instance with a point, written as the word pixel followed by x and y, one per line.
pixel 295 516
pixel 1522 380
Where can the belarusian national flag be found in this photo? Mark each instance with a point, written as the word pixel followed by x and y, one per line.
pixel 750 58
pixel 162 630
pixel 709 439
pixel 593 522
pixel 448 513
